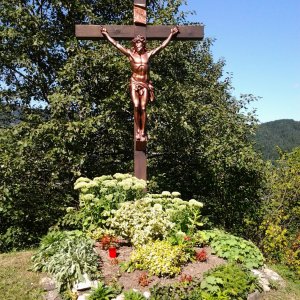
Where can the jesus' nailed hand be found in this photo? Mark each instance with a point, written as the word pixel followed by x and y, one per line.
pixel 141 88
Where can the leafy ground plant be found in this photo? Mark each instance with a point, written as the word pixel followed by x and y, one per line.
pixel 233 248
pixel 103 292
pixel 227 282
pixel 133 295
pixel 223 283
pixel 67 258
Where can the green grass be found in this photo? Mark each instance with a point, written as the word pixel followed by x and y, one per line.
pixel 16 281
pixel 292 289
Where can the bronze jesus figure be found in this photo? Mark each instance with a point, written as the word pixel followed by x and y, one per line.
pixel 141 89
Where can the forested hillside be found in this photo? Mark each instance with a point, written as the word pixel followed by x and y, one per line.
pixel 284 134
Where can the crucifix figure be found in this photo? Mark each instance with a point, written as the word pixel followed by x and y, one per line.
pixel 141 86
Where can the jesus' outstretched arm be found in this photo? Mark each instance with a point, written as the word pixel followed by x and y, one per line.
pixel 173 32
pixel 114 42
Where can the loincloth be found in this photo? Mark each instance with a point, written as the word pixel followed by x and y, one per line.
pixel 140 87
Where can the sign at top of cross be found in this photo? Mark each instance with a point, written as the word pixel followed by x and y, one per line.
pixel 128 32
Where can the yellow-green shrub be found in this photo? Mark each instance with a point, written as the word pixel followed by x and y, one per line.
pixel 159 258
pixel 282 210
pixel 274 242
pixel 292 255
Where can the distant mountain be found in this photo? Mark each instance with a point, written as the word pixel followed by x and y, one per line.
pixel 282 133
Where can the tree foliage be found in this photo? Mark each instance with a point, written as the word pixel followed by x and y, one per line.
pixel 67 106
pixel 280 227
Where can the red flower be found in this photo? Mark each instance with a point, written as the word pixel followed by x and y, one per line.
pixel 108 241
pixel 201 255
pixel 185 278
pixel 144 279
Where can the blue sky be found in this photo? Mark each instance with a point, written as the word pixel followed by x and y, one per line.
pixel 260 42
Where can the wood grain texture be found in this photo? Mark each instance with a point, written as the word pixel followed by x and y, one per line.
pixel 128 32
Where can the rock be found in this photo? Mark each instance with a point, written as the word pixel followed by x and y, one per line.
pixel 84 285
pixel 272 275
pixel 265 276
pixel 262 279
pixel 84 296
pixel 254 296
pixel 47 283
pixel 52 295
pixel 256 272
pixel 94 283
pixel 147 294
pixel 265 284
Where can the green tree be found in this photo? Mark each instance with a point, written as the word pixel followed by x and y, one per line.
pixel 74 118
pixel 45 148
pixel 281 210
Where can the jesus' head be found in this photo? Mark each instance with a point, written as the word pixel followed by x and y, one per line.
pixel 139 44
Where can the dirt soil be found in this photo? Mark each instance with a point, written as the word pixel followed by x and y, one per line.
pixel 112 273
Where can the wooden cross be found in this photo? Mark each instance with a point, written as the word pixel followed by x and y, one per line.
pixel 128 32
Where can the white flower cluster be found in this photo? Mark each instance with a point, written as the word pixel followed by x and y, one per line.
pixel 117 201
pixel 81 182
pixel 103 194
pixel 195 203
pixel 132 183
pixel 116 188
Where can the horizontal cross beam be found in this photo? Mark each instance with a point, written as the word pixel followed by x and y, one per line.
pixel 128 32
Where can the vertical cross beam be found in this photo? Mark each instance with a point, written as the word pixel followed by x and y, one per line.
pixel 140 156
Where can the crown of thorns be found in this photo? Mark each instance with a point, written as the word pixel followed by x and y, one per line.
pixel 139 38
